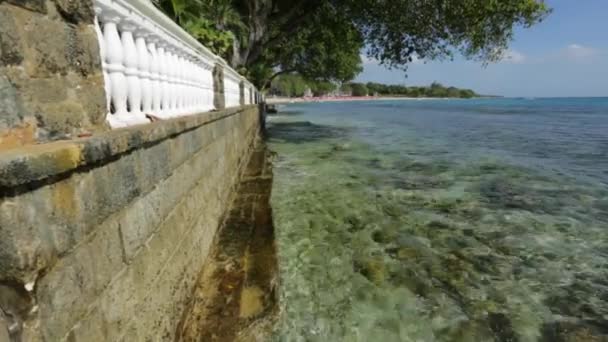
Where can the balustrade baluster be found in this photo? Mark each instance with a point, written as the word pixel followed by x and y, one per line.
pixel 143 65
pixel 164 79
pixel 155 76
pixel 102 53
pixel 190 79
pixel 207 87
pixel 171 67
pixel 116 69
pixel 131 71
pixel 181 84
pixel 196 83
pixel 192 73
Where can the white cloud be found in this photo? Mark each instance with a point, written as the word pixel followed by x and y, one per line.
pixel 579 52
pixel 514 57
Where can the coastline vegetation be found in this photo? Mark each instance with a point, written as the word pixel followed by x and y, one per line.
pixel 293 85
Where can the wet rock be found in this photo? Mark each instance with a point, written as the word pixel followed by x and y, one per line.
pixel 413 279
pixel 420 182
pixel 444 205
pixel 469 331
pixel 355 223
pixel 571 331
pixel 438 225
pixel 391 209
pixel 429 168
pixel 341 147
pixel 501 326
pixel 503 193
pixel 374 269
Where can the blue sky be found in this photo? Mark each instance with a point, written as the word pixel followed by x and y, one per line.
pixel 565 55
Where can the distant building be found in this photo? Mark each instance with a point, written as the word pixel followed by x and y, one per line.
pixel 308 92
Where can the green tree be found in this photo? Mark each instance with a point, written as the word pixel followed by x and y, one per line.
pixel 322 88
pixel 346 88
pixel 359 89
pixel 467 93
pixel 289 85
pixel 322 39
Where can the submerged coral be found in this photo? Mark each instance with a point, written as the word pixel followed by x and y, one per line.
pixel 374 245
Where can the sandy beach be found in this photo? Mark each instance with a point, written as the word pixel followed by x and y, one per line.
pixel 283 100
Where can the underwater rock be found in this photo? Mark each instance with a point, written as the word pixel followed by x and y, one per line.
pixel 429 168
pixel 468 331
pixel 571 331
pixel 504 194
pixel 444 205
pixel 341 147
pixel 374 269
pixel 391 209
pixel 420 182
pixel 438 225
pixel 501 326
pixel 355 223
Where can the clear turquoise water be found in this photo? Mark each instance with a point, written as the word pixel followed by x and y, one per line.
pixel 442 220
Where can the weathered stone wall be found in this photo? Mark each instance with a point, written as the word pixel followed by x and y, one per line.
pixel 103 237
pixel 51 84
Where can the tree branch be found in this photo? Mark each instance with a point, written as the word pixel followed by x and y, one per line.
pixel 276 74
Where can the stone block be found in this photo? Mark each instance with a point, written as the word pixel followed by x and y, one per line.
pixel 90 91
pixel 24 248
pixel 11 110
pixel 66 292
pixel 32 5
pixel 11 45
pixel 48 42
pixel 76 11
pixel 83 49
pixel 45 90
pixel 91 328
pixel 168 294
pixel 128 292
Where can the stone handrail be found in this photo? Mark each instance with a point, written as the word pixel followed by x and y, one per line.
pixel 154 69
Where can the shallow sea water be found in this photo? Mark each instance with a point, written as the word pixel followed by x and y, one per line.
pixel 442 220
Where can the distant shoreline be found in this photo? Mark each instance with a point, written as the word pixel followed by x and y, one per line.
pixel 284 100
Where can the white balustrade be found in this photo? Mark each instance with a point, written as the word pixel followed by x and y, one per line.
pixel 248 100
pixel 232 87
pixel 154 69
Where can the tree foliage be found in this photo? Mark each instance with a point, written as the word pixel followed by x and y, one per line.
pixel 294 85
pixel 289 85
pixel 359 89
pixel 322 39
pixel 434 90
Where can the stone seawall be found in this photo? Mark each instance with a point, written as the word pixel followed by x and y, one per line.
pixel 51 81
pixel 103 237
